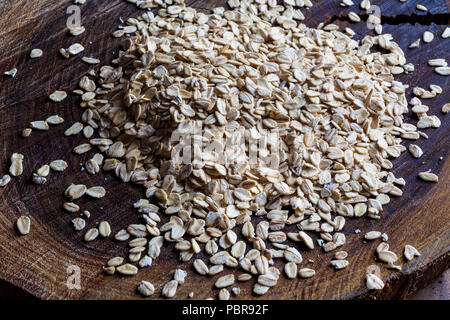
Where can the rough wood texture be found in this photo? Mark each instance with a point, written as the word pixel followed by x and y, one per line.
pixel 37 262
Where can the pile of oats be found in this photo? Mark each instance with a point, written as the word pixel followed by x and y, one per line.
pixel 184 108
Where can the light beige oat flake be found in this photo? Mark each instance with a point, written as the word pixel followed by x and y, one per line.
pixel 58 96
pixel 92 167
pixel 127 269
pixel 58 165
pixel 26 132
pixel 259 289
pixel 96 192
pixel 290 269
pixel 179 276
pixel 372 235
pixel 82 148
pixel 76 31
pixel 373 269
pixel 387 256
pixel 365 4
pixel 379 30
pixel 443 71
pixel 427 37
pixel 88 132
pixel 354 17
pixel 71 207
pixel 5 180
pixel 170 289
pixel 75 191
pixel 104 229
pixel 306 273
pixel 16 168
pixel 37 179
pixel 415 44
pixel 383 246
pixel 415 150
pixel 216 269
pixel 244 277
pixel 91 234
pixel 109 270
pixel 55 119
pixel 428 122
pixel 341 255
pixel 347 3
pixel 146 288
pixel 224 294
pixel 115 262
pixel 79 223
pixel 421 7
pixel 23 225
pixel 43 171
pixel 437 63
pixel 224 281
pixel 90 60
pixel 64 53
pixel 373 282
pixel 446 33
pixel 74 129
pixel 39 125
pixel 75 49
pixel 339 264
pixel 236 291
pixel 306 239
pixel 12 73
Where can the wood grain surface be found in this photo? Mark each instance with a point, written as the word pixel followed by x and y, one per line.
pixel 37 263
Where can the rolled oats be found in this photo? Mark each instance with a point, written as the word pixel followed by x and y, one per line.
pixel 428 176
pixel 91 234
pixel 58 96
pixel 5 180
pixel 373 282
pixel 410 252
pixel 146 288
pixel 23 225
pixel 306 273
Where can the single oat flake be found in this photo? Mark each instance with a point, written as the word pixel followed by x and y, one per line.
pixel 428 176
pixel 5 180
pixel 146 288
pixel 410 252
pixel 36 53
pixel 427 37
pixel 373 282
pixel 12 73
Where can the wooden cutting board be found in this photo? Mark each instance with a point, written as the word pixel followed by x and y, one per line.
pixel 37 263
